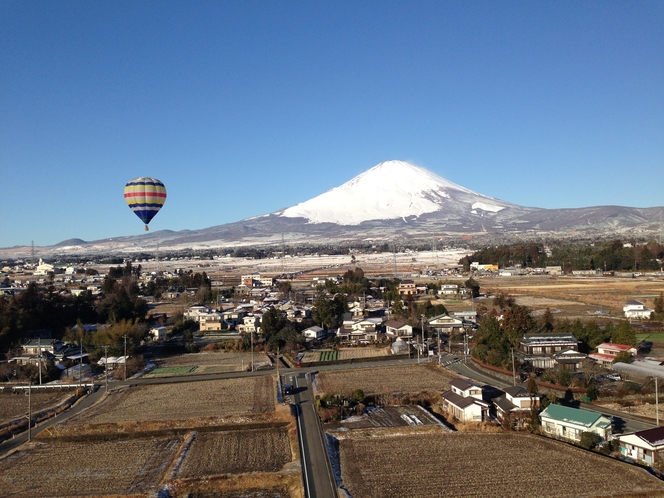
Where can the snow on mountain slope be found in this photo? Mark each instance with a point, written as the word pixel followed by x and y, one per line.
pixel 389 190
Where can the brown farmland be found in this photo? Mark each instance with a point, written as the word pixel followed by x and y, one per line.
pixel 481 464
pixel 186 400
pixel 214 361
pixel 237 452
pixel 13 406
pixel 385 380
pixel 122 467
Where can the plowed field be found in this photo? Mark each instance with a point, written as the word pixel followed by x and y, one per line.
pixel 236 452
pixel 482 464
pixel 377 380
pixel 180 401
pixel 88 468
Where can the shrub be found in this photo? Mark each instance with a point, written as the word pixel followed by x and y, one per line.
pixel 589 440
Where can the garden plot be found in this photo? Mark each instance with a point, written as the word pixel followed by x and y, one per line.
pixel 184 400
pixel 236 452
pixel 385 380
pixel 91 468
pixel 342 354
pixel 481 464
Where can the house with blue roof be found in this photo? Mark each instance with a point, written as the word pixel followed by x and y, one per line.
pixel 563 422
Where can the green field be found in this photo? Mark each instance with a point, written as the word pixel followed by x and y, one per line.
pixel 658 337
pixel 329 355
pixel 173 370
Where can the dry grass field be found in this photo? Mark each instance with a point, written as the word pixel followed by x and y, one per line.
pixel 13 406
pixel 385 380
pixel 54 469
pixel 212 362
pixel 180 401
pixel 576 296
pixel 481 464
pixel 237 452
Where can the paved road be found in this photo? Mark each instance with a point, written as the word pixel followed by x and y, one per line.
pixel 82 404
pixel 316 469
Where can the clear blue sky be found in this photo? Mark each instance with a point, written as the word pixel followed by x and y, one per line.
pixel 243 108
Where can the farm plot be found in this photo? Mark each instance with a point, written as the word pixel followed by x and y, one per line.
pixel 492 464
pixel 90 468
pixel 385 380
pixel 13 406
pixel 210 362
pixel 359 353
pixel 236 452
pixel 214 398
pixel 390 416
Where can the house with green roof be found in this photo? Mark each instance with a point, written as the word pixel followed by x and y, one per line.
pixel 563 422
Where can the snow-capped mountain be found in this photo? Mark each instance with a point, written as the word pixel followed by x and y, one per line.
pixel 388 191
pixel 394 199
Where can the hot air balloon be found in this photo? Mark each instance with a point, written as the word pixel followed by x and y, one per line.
pixel 145 196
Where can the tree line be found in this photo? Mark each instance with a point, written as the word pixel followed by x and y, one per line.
pixel 609 256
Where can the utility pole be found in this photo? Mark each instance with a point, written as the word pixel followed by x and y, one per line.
pixel 656 403
pixel 39 358
pixel 29 410
pixel 252 350
pixel 513 368
pixel 106 368
pixel 125 356
pixel 80 360
pixel 422 321
pixel 278 378
pixel 439 346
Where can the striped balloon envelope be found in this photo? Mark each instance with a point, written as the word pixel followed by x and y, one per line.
pixel 145 196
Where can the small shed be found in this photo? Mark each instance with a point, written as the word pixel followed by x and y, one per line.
pixel 158 333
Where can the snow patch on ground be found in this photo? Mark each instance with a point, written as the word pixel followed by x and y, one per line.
pixel 487 207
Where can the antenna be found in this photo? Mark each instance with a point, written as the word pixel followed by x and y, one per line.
pixel 283 254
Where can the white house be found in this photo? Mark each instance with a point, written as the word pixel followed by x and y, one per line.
pixel 314 333
pixel 397 328
pixel 515 406
pixel 607 352
pixel 448 289
pixel 636 309
pixel 562 422
pixel 193 312
pixel 446 323
pixel 643 446
pixel 464 402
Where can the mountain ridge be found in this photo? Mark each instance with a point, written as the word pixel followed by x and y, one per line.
pixel 393 199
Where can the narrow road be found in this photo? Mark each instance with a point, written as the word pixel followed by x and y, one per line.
pixel 82 404
pixel 316 469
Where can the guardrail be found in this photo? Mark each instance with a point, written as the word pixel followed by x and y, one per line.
pixel 45 387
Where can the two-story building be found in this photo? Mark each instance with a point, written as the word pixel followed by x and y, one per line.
pixel 607 352
pixel 637 310
pixel 465 402
pixel 516 406
pixel 397 328
pixel 407 287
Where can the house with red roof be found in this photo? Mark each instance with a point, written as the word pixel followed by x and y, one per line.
pixel 607 352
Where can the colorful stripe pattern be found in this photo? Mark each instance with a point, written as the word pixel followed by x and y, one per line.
pixel 145 196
